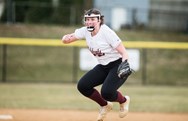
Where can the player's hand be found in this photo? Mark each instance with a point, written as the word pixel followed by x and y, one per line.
pixel 66 38
pixel 69 38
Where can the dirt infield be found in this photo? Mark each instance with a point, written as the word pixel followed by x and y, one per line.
pixel 76 115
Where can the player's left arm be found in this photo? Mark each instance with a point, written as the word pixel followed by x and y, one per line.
pixel 124 69
pixel 121 49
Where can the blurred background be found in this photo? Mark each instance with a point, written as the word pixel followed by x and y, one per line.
pixel 45 76
pixel 133 20
pixel 168 15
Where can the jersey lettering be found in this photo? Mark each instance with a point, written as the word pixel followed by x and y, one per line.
pixel 96 53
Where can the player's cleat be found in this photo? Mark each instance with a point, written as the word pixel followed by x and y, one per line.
pixel 124 107
pixel 104 110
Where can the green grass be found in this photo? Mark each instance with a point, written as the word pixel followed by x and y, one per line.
pixel 51 31
pixel 66 96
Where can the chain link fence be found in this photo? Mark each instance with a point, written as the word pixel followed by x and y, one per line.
pixel 61 65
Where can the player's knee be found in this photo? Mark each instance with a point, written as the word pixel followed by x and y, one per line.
pixel 80 88
pixel 107 95
pixel 83 90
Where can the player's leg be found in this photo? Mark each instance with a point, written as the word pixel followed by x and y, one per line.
pixel 86 86
pixel 91 79
pixel 109 91
pixel 110 86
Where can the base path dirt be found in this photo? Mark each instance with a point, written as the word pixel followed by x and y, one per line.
pixel 77 115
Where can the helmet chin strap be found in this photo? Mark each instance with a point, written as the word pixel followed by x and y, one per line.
pixel 90 28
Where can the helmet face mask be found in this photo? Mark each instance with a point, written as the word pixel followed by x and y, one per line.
pixel 91 28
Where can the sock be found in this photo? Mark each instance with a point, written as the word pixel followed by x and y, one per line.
pixel 95 96
pixel 121 99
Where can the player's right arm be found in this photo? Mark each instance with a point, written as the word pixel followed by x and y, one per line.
pixel 68 38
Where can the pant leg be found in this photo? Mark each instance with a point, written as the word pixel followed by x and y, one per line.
pixel 111 84
pixel 92 78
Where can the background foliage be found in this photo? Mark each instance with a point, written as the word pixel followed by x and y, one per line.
pixel 43 11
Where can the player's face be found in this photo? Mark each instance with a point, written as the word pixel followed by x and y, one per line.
pixel 92 21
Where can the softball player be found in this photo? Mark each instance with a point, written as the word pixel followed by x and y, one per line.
pixel 107 47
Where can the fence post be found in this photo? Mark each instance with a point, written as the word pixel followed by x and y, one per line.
pixel 144 67
pixel 9 11
pixel 72 15
pixel 4 67
pixel 75 64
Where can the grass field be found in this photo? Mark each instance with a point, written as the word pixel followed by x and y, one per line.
pixel 55 31
pixel 65 96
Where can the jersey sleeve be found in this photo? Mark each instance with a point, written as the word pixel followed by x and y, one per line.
pixel 112 38
pixel 80 33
